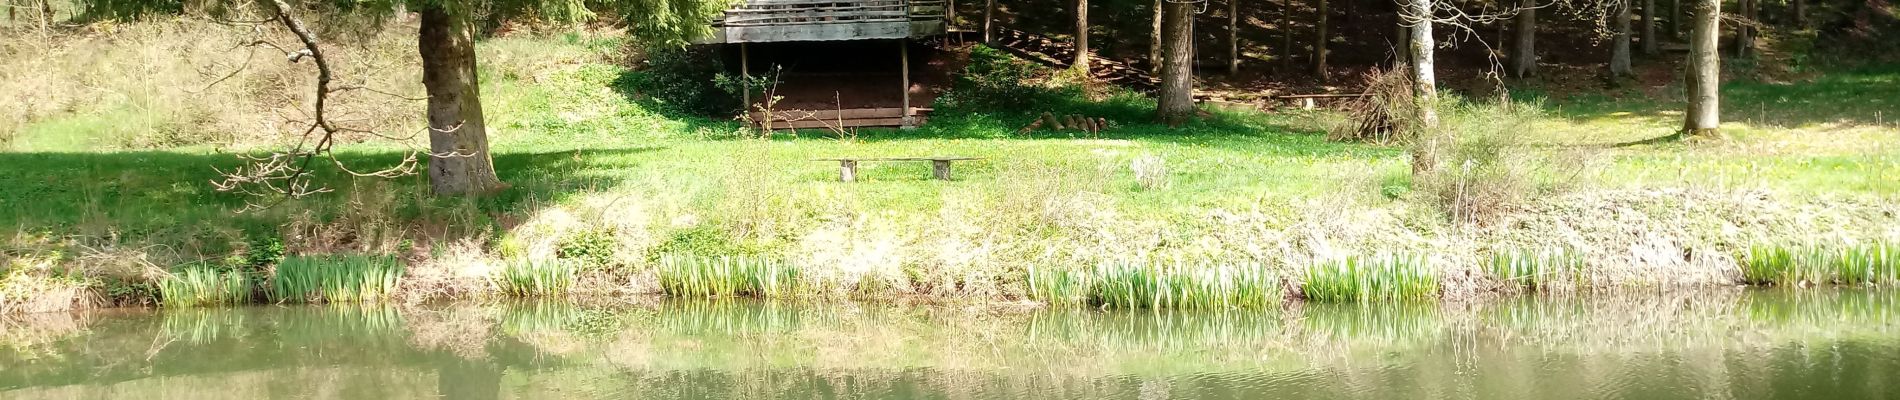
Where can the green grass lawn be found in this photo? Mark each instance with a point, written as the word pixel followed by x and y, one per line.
pixel 590 159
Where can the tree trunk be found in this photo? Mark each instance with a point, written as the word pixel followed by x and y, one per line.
pixel 457 136
pixel 1524 55
pixel 1154 40
pixel 1403 54
pixel 1800 13
pixel 989 19
pixel 1176 103
pixel 1233 37
pixel 1424 80
pixel 1744 31
pixel 1319 43
pixel 1081 35
pixel 1704 75
pixel 1651 43
pixel 1675 19
pixel 1620 47
pixel 1417 17
pixel 1286 32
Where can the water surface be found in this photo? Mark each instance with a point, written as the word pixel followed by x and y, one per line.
pixel 1821 344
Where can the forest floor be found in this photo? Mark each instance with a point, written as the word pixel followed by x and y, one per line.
pixel 115 183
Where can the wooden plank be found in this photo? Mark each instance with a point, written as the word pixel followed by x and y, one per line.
pixel 849 123
pixel 768 11
pixel 780 3
pixel 811 15
pixel 833 114
pixel 819 31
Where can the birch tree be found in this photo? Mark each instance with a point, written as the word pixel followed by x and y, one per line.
pixel 1081 35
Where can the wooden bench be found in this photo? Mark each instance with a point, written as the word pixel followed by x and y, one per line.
pixel 940 166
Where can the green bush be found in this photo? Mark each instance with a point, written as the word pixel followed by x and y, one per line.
pixel 689 80
pixel 995 80
pixel 593 249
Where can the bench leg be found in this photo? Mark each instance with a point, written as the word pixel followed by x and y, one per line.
pixel 848 170
pixel 940 169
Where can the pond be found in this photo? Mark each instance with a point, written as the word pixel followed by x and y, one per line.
pixel 1819 344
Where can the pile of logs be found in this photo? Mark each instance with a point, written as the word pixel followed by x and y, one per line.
pixel 1071 122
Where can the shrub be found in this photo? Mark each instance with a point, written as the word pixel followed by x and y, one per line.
pixel 335 278
pixel 994 80
pixel 1469 168
pixel 684 80
pixel 1371 278
pixel 592 249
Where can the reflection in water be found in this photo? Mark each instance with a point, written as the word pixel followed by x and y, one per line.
pixel 1764 344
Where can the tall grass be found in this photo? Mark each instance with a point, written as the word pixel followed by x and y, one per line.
pixel 1056 285
pixel 1356 278
pixel 200 285
pixel 1784 265
pixel 335 278
pixel 726 276
pixel 1183 285
pixel 1538 269
pixel 525 278
pixel 1158 285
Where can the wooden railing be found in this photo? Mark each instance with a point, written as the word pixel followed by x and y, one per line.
pixel 755 13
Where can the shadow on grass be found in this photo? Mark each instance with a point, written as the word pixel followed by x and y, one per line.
pixel 168 196
pixel 1860 97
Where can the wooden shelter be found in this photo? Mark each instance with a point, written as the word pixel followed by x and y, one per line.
pixel 793 22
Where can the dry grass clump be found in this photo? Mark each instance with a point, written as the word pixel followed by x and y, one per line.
pixel 458 269
pixel 1151 172
pixel 1385 114
pixel 30 285
pixel 1681 237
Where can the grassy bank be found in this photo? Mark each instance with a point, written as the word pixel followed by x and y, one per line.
pixel 610 181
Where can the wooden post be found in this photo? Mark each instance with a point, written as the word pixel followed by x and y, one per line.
pixel 903 54
pixel 745 81
pixel 940 169
pixel 847 170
